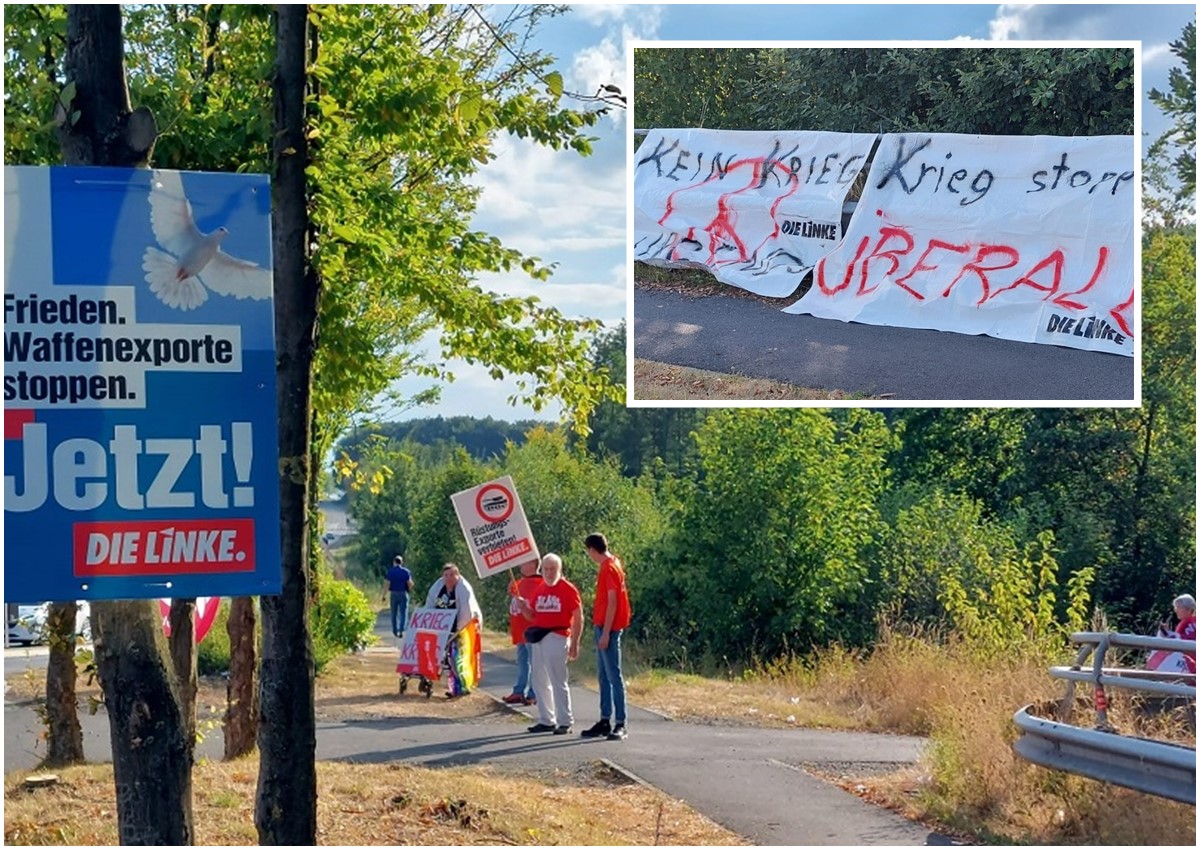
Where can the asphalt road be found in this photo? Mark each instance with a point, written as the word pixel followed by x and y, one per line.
pixel 20 658
pixel 752 781
pixel 743 336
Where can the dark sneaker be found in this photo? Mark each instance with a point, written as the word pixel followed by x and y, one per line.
pixel 540 727
pixel 562 730
pixel 531 700
pixel 601 728
pixel 514 699
pixel 618 733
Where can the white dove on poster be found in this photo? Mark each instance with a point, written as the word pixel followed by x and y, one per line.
pixel 192 262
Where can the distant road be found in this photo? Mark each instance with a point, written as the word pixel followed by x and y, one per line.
pixel 744 336
pixel 337 521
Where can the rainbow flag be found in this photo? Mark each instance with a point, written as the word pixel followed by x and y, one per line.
pixel 466 669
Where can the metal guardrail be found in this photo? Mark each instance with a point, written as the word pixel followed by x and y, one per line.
pixel 1154 767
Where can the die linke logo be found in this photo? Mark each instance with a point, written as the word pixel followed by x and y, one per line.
pixel 494 503
pixel 809 229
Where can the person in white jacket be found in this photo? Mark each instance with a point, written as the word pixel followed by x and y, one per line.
pixel 454 591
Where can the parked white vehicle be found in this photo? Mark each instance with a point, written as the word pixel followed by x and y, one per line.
pixel 29 625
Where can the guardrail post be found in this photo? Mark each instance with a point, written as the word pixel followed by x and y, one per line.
pixel 1099 697
pixel 1067 706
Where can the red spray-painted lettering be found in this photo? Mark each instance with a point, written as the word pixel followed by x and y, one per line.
pixel 979 262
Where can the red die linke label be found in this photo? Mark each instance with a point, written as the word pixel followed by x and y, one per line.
pixel 512 550
pixel 182 547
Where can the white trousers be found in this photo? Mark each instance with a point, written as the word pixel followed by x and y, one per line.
pixel 548 670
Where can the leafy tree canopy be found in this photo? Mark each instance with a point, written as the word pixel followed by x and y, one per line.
pixel 1063 91
pixel 404 103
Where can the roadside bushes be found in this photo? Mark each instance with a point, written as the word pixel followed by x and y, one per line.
pixel 212 655
pixel 342 620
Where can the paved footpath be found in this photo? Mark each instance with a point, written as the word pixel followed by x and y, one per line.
pixel 751 781
pixel 725 333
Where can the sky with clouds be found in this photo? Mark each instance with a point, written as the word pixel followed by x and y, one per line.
pixel 570 210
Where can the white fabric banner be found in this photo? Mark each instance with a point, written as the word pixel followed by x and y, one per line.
pixel 756 208
pixel 1027 238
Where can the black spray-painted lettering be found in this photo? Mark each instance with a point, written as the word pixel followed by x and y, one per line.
pixel 1078 179
pixel 896 169
pixel 658 155
pixel 679 164
pixel 980 184
pixel 1087 327
pixel 773 160
pixel 842 178
pixel 720 169
pixel 810 229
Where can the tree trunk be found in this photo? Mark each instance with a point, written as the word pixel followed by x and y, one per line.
pixel 241 704
pixel 64 742
pixel 286 810
pixel 152 762
pixel 152 767
pixel 182 620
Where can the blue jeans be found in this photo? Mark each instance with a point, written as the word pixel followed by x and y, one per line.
pixel 399 612
pixel 523 686
pixel 608 669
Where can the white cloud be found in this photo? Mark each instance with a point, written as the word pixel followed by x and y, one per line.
pixel 1155 54
pixel 604 63
pixel 598 14
pixel 592 298
pixel 1010 21
pixel 551 203
pixel 601 64
pixel 645 18
pixel 1080 22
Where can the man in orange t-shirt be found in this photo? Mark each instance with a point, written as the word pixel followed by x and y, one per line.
pixel 610 616
pixel 522 588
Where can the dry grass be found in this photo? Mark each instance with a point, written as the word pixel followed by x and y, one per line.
pixel 970 782
pixel 361 804
pixel 369 804
pixel 700 282
pixel 762 701
pixel 654 381
pixel 365 685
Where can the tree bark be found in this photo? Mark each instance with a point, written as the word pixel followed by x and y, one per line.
pixel 241 702
pixel 152 762
pixel 64 741
pixel 182 620
pixel 286 809
pixel 152 766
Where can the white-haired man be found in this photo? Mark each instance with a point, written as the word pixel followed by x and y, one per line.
pixel 555 611
pixel 1185 613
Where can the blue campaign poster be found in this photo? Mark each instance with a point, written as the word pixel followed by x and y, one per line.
pixel 140 454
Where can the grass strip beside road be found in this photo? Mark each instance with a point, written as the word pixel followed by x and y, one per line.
pixel 969 782
pixel 381 804
pixel 654 381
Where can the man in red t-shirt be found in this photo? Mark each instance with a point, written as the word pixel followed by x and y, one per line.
pixel 522 588
pixel 554 609
pixel 610 616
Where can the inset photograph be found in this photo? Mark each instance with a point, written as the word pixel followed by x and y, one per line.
pixel 869 225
